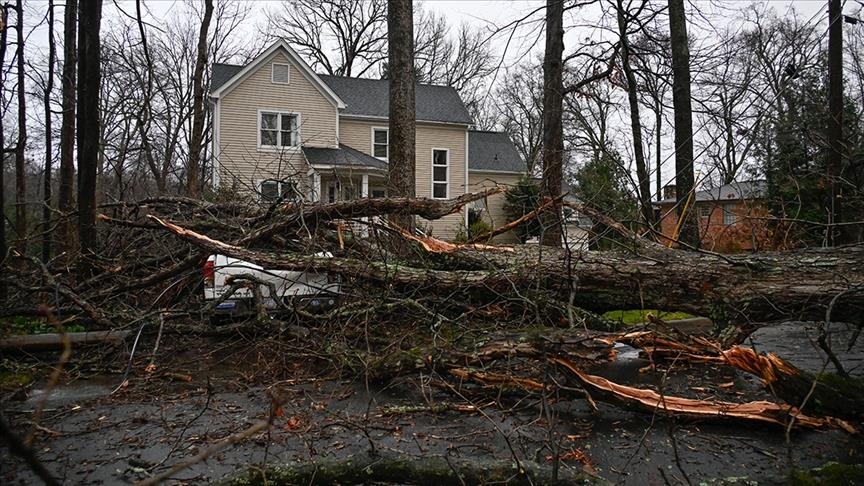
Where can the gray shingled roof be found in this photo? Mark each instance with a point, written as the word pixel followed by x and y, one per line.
pixel 344 156
pixel 493 151
pixel 736 190
pixel 370 97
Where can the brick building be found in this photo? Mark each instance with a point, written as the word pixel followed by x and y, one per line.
pixel 732 218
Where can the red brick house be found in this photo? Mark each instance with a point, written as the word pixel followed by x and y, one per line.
pixel 732 218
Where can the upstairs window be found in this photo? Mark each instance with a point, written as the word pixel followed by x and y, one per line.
pixel 705 211
pixel 729 216
pixel 440 173
pixel 380 142
pixel 279 129
pixel 272 190
pixel 281 73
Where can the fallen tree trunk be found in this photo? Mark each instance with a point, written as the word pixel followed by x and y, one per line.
pixel 759 287
pixel 53 341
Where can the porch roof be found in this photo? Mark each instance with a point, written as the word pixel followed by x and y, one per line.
pixel 344 156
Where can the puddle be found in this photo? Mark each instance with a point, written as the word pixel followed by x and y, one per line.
pixel 76 391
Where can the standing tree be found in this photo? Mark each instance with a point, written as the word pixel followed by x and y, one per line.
pixel 193 172
pixel 400 38
pixel 834 130
pixel 684 174
pixel 553 127
pixel 20 166
pixel 89 57
pixel 4 11
pixel 49 88
pixel 66 199
pixel 520 97
pixel 625 18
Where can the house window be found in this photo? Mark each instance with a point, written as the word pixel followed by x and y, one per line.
pixel 380 141
pixel 281 73
pixel 279 129
pixel 440 173
pixel 705 211
pixel 272 190
pixel 729 217
pixel 379 193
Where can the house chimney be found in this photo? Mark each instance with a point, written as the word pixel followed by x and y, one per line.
pixel 669 191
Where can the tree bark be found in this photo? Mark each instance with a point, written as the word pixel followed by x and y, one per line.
pixel 402 156
pixel 193 171
pixel 88 119
pixel 835 110
pixel 20 166
pixel 49 88
pixel 66 200
pixel 553 127
pixel 3 248
pixel 642 177
pixel 684 176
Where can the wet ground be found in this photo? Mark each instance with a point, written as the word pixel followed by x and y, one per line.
pixel 89 436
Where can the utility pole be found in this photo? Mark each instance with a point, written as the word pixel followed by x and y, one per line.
pixel 835 111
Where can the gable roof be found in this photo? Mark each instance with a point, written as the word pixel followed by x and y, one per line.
pixel 344 156
pixel 729 192
pixel 371 98
pixel 228 76
pixel 493 151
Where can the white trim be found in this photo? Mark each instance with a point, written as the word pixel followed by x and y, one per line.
pixel 447 166
pixel 337 127
pixel 278 148
pixel 217 146
pixel 273 72
pixel 467 182
pixel 349 168
pixel 487 171
pixel 304 69
pixel 372 142
pixel 348 116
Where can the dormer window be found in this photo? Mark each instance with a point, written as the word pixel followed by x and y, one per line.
pixel 281 73
pixel 279 130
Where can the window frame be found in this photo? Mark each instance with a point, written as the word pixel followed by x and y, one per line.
pixel 705 211
pixel 273 72
pixel 729 216
pixel 387 145
pixel 279 114
pixel 446 180
pixel 280 184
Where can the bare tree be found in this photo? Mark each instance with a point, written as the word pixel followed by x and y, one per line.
pixel 625 18
pixel 66 199
pixel 355 30
pixel 520 104
pixel 193 178
pixel 49 88
pixel 20 148
pixel 89 21
pixel 400 40
pixel 4 27
pixel 553 127
pixel 684 173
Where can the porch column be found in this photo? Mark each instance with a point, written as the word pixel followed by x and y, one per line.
pixel 364 193
pixel 316 186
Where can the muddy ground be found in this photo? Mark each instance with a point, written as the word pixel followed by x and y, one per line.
pixel 89 435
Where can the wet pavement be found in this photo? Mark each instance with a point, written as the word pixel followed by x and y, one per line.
pixel 89 437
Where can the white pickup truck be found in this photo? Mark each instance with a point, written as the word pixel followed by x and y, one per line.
pixel 310 291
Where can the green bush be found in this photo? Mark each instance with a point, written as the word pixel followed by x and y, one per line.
pixel 520 200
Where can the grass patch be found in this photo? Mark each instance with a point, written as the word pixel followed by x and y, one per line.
pixel 638 316
pixel 20 325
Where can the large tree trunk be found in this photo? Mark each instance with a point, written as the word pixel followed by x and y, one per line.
pixel 402 157
pixel 193 171
pixel 684 190
pixel 643 179
pixel 3 250
pixel 89 55
pixel 20 174
pixel 735 289
pixel 49 88
pixel 66 200
pixel 835 109
pixel 553 128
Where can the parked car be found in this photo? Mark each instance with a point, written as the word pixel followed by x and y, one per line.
pixel 311 291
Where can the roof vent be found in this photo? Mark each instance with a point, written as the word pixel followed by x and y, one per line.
pixel 281 73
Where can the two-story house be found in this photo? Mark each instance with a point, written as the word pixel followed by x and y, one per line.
pixel 280 129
